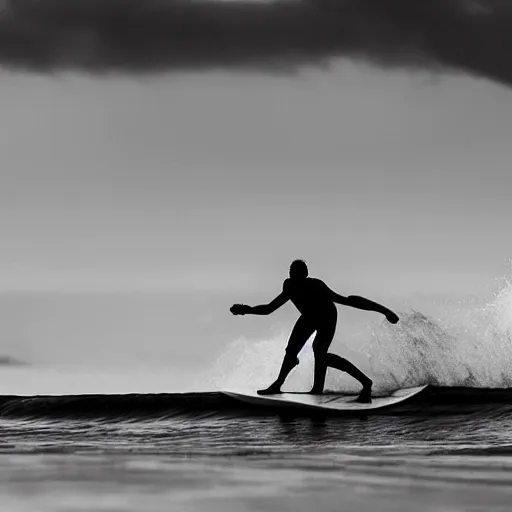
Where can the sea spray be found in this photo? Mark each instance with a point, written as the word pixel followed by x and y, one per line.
pixel 256 363
pixel 454 342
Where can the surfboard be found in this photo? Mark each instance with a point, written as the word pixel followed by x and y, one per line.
pixel 325 402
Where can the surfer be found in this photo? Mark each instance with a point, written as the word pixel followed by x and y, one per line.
pixel 316 303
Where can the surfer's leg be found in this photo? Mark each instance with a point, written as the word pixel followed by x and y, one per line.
pixel 323 360
pixel 340 363
pixel 301 332
pixel 323 339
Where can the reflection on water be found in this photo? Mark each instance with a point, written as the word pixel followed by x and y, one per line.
pixel 257 463
pixel 308 482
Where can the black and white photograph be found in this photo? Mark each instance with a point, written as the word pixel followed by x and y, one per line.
pixel 255 255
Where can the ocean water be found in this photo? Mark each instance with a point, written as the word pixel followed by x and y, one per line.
pixel 91 442
pixel 448 449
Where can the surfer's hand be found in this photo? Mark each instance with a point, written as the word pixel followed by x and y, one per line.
pixel 392 317
pixel 239 309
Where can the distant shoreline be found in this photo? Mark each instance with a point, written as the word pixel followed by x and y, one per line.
pixel 11 361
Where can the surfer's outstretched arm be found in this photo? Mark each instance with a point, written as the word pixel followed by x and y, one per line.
pixel 357 302
pixel 264 309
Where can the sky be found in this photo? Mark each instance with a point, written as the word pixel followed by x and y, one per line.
pixel 214 182
pixel 179 192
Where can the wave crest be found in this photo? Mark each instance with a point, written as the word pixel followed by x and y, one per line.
pixel 187 406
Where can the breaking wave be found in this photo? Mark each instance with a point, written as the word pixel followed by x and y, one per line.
pixel 150 407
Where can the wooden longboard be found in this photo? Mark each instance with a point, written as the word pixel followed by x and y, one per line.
pixel 326 402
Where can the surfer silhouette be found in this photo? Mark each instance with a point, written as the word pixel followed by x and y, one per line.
pixel 316 303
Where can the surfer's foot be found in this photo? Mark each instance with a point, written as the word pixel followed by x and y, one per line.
pixel 316 391
pixel 273 389
pixel 365 397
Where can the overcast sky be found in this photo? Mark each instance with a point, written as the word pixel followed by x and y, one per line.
pixel 215 182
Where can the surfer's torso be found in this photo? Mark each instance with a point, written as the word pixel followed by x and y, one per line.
pixel 312 297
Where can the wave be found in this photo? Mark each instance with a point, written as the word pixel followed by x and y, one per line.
pixel 433 401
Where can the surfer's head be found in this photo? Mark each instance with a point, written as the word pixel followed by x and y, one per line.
pixel 298 270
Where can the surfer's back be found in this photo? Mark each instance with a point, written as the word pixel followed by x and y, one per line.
pixel 309 295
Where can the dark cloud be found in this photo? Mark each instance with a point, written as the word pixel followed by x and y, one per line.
pixel 137 36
